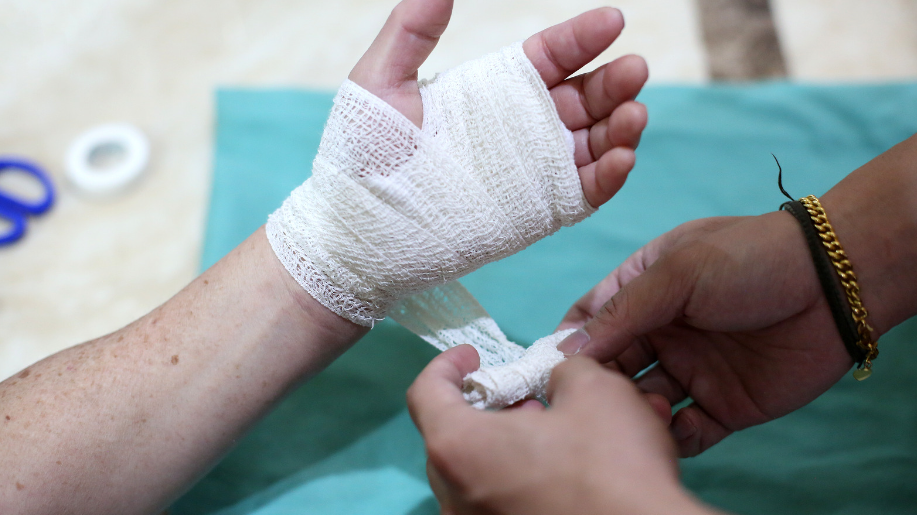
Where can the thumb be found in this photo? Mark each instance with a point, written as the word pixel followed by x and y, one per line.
pixel 389 67
pixel 651 300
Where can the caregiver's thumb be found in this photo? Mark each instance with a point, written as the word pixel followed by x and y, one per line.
pixel 651 300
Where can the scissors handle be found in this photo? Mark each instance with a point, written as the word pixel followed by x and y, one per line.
pixel 17 226
pixel 12 203
pixel 14 209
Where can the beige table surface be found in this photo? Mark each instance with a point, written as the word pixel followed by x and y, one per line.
pixel 91 266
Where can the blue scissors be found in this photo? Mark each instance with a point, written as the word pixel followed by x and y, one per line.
pixel 15 209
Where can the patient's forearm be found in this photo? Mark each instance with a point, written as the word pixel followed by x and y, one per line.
pixel 124 423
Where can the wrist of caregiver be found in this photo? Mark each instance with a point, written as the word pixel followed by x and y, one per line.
pixel 874 214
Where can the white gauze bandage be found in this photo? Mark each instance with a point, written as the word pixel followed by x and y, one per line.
pixel 392 210
pixel 447 315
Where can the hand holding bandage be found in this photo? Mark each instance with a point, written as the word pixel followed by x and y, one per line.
pixel 508 153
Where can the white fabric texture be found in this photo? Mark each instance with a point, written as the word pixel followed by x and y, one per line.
pixel 448 315
pixel 527 377
pixel 392 210
pixel 394 213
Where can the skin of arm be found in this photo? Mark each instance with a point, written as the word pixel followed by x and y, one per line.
pixel 124 423
pixel 127 422
pixel 732 312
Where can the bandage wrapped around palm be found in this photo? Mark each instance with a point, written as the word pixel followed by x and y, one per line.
pixel 394 213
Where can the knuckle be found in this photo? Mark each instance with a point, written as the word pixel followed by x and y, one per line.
pixel 613 314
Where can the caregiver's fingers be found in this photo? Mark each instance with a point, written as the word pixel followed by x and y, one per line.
pixel 437 391
pixel 658 381
pixel 586 99
pixel 695 431
pixel 586 307
pixel 389 67
pixel 634 359
pixel 589 304
pixel 661 406
pixel 651 300
pixel 558 51
pixel 603 178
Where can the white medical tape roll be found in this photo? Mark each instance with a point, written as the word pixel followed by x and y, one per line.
pixel 109 179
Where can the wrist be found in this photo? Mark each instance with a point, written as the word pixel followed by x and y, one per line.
pixel 874 214
pixel 326 334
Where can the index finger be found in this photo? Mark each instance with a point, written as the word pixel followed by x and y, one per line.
pixel 648 302
pixel 438 388
pixel 586 308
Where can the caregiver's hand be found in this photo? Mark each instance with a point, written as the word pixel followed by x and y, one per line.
pixel 732 310
pixel 599 449
pixel 598 106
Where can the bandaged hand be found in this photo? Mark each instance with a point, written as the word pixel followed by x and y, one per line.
pixel 416 184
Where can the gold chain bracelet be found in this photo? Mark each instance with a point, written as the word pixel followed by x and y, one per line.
pixel 848 279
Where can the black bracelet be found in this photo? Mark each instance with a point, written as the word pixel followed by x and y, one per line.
pixel 830 284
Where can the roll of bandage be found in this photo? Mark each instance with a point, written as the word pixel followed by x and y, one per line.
pixel 129 147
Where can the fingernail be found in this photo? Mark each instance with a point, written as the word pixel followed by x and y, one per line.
pixel 574 343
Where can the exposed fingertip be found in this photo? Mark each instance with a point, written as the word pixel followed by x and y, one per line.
pixel 612 14
pixel 640 114
pixel 604 24
pixel 574 343
pixel 465 358
pixel 636 64
pixel 612 170
pixel 626 125
pixel 683 428
pixel 625 78
pixel 425 18
pixel 685 432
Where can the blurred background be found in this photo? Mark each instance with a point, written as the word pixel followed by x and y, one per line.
pixel 91 266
